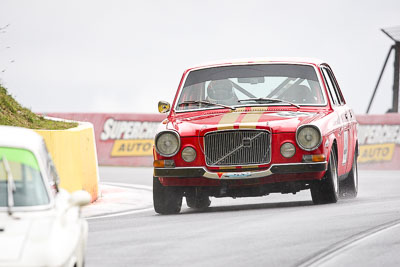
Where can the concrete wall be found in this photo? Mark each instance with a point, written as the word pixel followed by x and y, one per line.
pixel 74 155
pixel 122 139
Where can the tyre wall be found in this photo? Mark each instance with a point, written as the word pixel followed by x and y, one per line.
pixel 122 139
pixel 379 141
pixel 74 155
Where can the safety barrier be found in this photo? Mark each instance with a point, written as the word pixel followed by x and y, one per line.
pixel 122 139
pixel 125 139
pixel 379 141
pixel 74 155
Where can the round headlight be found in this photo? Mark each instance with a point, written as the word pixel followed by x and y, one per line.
pixel 167 143
pixel 288 150
pixel 308 137
pixel 189 154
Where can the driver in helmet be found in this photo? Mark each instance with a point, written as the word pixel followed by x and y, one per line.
pixel 221 92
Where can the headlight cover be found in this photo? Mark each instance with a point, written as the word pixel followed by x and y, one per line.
pixel 167 143
pixel 288 150
pixel 189 154
pixel 308 137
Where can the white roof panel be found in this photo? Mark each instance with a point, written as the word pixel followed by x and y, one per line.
pixel 20 137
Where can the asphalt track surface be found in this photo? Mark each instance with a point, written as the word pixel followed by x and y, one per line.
pixel 275 230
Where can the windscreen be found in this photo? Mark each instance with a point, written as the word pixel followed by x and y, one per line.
pixel 245 85
pixel 26 180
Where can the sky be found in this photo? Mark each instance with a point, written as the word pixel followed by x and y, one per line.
pixel 125 56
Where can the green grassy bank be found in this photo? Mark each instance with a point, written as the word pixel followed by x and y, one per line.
pixel 13 114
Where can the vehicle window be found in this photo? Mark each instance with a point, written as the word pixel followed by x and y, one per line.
pixel 331 87
pixel 29 187
pixel 336 87
pixel 53 178
pixel 235 85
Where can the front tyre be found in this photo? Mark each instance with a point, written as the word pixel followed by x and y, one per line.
pixel 197 201
pixel 327 190
pixel 166 199
pixel 349 187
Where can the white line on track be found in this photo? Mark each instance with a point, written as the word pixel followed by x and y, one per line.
pixel 337 248
pixel 136 186
pixel 120 214
pixel 129 212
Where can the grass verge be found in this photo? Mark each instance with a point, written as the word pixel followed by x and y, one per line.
pixel 13 114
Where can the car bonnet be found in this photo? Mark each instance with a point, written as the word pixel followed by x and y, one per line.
pixel 256 118
pixel 13 234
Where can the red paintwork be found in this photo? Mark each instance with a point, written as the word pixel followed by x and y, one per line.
pixel 192 126
pixel 267 180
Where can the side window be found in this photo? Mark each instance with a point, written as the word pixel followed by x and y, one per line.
pixel 331 87
pixel 53 177
pixel 336 86
pixel 56 180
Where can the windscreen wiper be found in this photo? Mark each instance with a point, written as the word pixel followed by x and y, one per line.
pixel 185 103
pixel 10 185
pixel 270 100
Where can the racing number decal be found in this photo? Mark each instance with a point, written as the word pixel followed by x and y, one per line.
pixel 345 146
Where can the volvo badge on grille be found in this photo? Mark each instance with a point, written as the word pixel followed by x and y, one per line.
pixel 237 148
pixel 246 142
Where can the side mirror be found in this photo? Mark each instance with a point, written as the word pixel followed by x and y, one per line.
pixel 163 106
pixel 80 198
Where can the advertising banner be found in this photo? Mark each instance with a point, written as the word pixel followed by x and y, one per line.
pixel 122 139
pixel 126 139
pixel 379 141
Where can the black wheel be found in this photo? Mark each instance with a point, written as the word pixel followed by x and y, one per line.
pixel 166 199
pixel 327 190
pixel 197 200
pixel 348 188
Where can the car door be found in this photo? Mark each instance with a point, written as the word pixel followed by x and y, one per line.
pixel 349 122
pixel 342 130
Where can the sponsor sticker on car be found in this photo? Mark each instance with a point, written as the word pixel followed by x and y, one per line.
pixel 236 174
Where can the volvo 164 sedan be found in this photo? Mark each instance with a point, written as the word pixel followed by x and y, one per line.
pixel 251 128
pixel 40 224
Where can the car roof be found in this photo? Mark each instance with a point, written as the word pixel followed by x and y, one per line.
pixel 250 61
pixel 20 137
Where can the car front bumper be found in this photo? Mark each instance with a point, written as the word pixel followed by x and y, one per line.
pixel 201 172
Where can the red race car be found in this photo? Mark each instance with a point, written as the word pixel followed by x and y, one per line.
pixel 251 128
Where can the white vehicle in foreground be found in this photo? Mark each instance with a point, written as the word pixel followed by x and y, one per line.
pixel 40 224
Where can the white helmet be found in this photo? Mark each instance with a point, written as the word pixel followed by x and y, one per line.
pixel 221 91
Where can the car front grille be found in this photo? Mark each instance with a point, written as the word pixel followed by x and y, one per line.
pixel 237 148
